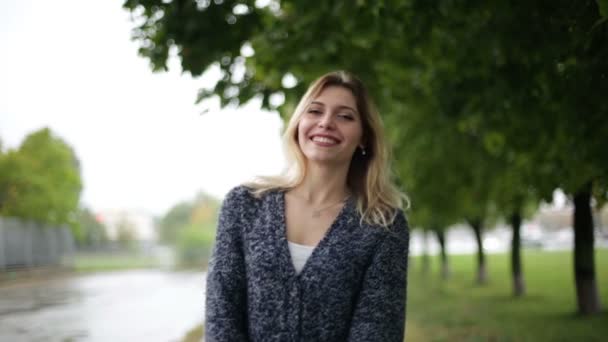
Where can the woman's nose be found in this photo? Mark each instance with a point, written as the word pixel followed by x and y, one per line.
pixel 326 121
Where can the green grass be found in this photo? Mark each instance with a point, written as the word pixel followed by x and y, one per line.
pixel 112 262
pixel 194 335
pixel 459 310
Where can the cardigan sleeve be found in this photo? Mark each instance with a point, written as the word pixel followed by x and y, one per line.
pixel 379 313
pixel 225 315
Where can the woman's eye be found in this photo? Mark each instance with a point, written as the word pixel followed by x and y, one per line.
pixel 314 111
pixel 346 117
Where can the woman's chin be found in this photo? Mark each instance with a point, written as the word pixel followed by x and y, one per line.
pixel 325 159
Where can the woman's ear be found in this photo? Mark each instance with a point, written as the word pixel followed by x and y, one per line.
pixel 362 144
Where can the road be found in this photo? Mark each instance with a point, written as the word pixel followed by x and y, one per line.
pixel 143 305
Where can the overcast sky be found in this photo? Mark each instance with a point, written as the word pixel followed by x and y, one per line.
pixel 70 65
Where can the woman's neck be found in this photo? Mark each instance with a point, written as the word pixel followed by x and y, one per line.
pixel 322 185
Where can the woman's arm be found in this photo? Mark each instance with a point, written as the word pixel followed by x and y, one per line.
pixel 380 309
pixel 225 306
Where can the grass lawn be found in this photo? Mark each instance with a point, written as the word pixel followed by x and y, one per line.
pixel 112 262
pixel 459 310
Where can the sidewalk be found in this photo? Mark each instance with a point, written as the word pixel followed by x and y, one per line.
pixel 23 276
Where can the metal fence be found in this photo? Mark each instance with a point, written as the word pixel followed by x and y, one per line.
pixel 26 244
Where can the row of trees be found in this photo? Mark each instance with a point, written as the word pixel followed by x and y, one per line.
pixel 189 227
pixel 490 105
pixel 40 181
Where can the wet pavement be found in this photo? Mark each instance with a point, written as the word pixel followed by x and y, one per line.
pixel 143 305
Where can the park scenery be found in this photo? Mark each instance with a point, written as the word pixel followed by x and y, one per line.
pixel 117 149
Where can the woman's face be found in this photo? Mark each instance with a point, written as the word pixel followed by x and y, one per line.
pixel 330 129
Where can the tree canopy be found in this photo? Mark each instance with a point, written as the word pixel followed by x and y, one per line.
pixel 518 90
pixel 488 104
pixel 40 180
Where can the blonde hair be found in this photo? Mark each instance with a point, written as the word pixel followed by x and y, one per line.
pixel 369 177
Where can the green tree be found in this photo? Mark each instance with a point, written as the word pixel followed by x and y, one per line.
pixel 90 231
pixel 194 243
pixel 560 55
pixel 528 94
pixel 190 228
pixel 447 174
pixel 176 218
pixel 205 210
pixel 41 180
pixel 200 211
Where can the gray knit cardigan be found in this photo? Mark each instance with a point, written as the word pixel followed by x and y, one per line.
pixel 352 288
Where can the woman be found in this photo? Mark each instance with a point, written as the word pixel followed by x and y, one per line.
pixel 319 253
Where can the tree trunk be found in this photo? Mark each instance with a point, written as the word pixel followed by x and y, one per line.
pixel 519 287
pixel 584 264
pixel 445 266
pixel 426 263
pixel 482 276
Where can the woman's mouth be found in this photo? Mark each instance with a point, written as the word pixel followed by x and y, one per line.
pixel 324 140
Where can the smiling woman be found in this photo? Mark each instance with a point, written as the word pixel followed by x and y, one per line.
pixel 330 129
pixel 318 253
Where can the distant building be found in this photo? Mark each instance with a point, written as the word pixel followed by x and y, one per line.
pixel 140 224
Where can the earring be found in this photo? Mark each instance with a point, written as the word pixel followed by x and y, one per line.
pixel 362 150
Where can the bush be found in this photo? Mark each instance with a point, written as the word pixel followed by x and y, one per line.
pixel 194 244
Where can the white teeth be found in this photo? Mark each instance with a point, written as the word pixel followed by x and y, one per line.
pixel 324 140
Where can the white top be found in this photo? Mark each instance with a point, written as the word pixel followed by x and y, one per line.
pixel 299 254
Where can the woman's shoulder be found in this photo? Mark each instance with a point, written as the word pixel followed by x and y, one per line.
pixel 400 219
pixel 400 222
pixel 237 196
pixel 243 195
pixel 238 191
pixel 395 223
pixel 397 227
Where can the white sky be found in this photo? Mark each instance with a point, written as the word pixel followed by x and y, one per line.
pixel 143 145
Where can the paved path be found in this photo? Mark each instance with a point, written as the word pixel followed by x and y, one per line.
pixel 145 305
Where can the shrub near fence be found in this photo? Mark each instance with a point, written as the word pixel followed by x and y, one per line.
pixel 26 244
